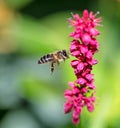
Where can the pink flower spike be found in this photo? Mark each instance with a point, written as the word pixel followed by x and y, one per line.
pixel 83 47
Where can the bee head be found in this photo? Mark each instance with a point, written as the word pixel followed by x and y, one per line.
pixel 65 53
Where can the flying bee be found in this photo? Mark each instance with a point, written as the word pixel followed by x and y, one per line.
pixel 55 57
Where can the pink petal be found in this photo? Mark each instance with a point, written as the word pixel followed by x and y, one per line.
pixel 75 120
pixel 90 107
pixel 80 66
pixel 74 63
pixel 75 53
pixel 83 49
pixel 85 14
pixel 89 54
pixel 89 77
pixel 86 39
pixel 94 32
pixel 68 92
pixel 67 107
pixel 81 81
pixel 71 84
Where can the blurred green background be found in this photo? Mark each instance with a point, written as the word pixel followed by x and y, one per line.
pixel 30 97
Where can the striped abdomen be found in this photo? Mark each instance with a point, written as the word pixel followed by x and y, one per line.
pixel 45 59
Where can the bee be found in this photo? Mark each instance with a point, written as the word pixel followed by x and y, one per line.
pixel 55 57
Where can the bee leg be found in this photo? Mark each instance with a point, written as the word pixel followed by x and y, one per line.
pixel 52 67
pixel 58 62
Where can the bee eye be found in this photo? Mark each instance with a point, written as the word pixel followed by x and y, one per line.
pixel 64 53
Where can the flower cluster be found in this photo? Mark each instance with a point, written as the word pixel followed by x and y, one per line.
pixel 83 47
